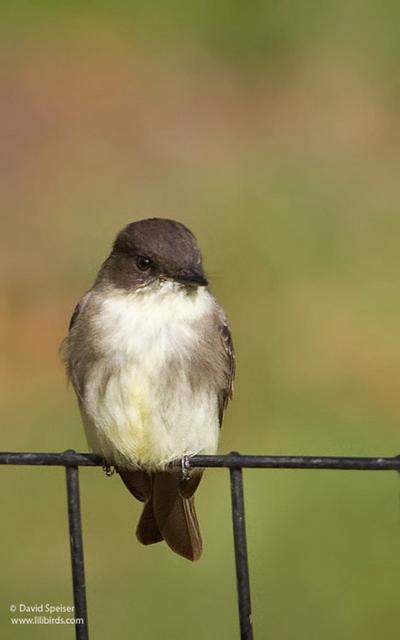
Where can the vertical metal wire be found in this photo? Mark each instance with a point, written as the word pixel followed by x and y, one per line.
pixel 241 559
pixel 76 544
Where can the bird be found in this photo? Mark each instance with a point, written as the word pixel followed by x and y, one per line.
pixel 150 356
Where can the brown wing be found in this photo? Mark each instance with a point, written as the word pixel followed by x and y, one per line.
pixel 226 391
pixel 77 310
pixel 65 347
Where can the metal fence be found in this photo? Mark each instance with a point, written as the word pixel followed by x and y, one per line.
pixel 232 461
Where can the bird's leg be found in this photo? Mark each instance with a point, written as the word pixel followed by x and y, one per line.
pixel 108 469
pixel 185 468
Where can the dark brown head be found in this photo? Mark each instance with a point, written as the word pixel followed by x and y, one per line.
pixel 153 250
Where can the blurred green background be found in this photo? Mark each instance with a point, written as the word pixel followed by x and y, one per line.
pixel 271 130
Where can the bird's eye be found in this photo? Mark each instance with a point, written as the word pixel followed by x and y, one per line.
pixel 143 263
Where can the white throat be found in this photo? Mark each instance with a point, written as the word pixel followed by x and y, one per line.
pixel 162 318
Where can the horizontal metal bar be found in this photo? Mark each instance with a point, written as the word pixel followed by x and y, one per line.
pixel 67 459
pixel 235 460
pixel 229 460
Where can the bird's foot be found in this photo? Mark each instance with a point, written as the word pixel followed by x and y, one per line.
pixel 185 468
pixel 108 470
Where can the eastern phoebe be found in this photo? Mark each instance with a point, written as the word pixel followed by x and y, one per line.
pixel 150 356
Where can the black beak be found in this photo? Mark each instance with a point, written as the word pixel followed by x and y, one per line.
pixel 191 278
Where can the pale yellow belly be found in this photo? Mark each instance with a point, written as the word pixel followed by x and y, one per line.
pixel 134 420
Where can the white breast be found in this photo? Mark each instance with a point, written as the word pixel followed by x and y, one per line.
pixel 139 406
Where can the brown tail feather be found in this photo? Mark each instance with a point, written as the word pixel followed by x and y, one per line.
pixel 176 517
pixel 169 513
pixel 137 482
pixel 147 531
